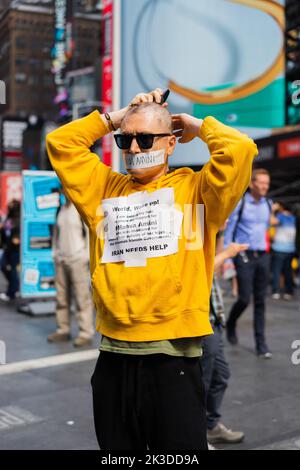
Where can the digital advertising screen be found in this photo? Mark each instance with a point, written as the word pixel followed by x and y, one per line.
pixel 223 58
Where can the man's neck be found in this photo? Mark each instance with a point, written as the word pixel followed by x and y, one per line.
pixel 151 178
pixel 255 196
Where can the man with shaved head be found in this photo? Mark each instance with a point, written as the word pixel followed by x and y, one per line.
pixel 139 119
pixel 152 245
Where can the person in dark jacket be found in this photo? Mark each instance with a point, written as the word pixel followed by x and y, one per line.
pixel 215 368
pixel 10 241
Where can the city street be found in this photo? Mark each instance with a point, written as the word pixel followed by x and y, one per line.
pixel 134 164
pixel 48 405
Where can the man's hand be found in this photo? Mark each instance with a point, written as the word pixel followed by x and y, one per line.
pixel 186 127
pixel 140 98
pixel 274 221
pixel 150 97
pixel 235 248
pixel 230 252
pixel 275 207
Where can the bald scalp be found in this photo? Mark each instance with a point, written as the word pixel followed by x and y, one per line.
pixel 160 113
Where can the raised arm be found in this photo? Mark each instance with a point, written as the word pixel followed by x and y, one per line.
pixel 226 176
pixel 84 177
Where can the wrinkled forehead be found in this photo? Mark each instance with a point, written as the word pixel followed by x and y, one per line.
pixel 143 122
pixel 261 179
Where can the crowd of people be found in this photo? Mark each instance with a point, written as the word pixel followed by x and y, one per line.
pixel 140 361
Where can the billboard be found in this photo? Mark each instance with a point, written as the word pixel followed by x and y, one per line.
pixel 223 58
pixel 281 150
pixel 10 188
pixel 62 51
pixel 12 138
pixel 107 74
pixel 39 209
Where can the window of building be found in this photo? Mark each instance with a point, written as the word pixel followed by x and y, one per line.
pixel 21 77
pixel 21 96
pixel 20 61
pixel 48 98
pixel 47 64
pixel 48 80
pixel 34 63
pixel 4 47
pixel 21 42
pixel 33 80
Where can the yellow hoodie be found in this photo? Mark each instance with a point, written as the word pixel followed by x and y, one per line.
pixel 168 298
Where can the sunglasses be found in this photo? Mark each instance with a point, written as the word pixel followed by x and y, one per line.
pixel 144 141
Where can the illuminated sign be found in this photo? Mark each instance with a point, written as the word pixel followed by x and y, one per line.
pixel 12 143
pixel 58 52
pixel 62 51
pixel 289 148
pixel 107 74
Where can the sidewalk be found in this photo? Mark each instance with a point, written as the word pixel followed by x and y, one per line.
pixel 263 398
pixel 51 407
pixel 48 408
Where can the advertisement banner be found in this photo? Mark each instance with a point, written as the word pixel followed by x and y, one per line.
pixel 12 138
pixel 280 151
pixel 223 58
pixel 288 148
pixel 10 188
pixel 38 217
pixel 107 74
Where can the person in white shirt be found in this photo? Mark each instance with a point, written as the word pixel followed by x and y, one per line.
pixel 71 257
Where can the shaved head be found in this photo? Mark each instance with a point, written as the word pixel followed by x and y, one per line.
pixel 159 113
pixel 149 118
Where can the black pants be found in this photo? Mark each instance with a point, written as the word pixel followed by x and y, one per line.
pixel 216 374
pixel 154 401
pixel 282 264
pixel 252 277
pixel 9 264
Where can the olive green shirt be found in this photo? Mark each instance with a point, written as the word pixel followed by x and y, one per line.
pixel 182 347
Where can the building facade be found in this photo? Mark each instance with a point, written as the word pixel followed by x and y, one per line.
pixel 26 42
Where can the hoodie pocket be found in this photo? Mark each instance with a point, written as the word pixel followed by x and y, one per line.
pixel 142 294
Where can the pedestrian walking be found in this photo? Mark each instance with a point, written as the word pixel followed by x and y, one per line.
pixel 10 241
pixel 216 372
pixel 249 223
pixel 283 251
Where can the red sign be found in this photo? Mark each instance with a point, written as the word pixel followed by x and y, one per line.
pixel 10 188
pixel 289 148
pixel 107 75
pixel 12 130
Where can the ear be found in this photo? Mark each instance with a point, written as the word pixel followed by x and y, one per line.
pixel 171 144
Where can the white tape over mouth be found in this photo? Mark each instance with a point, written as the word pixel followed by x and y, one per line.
pixel 144 160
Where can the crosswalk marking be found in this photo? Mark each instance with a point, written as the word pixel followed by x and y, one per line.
pixel 49 361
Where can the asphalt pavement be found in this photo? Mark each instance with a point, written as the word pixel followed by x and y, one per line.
pixel 45 391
